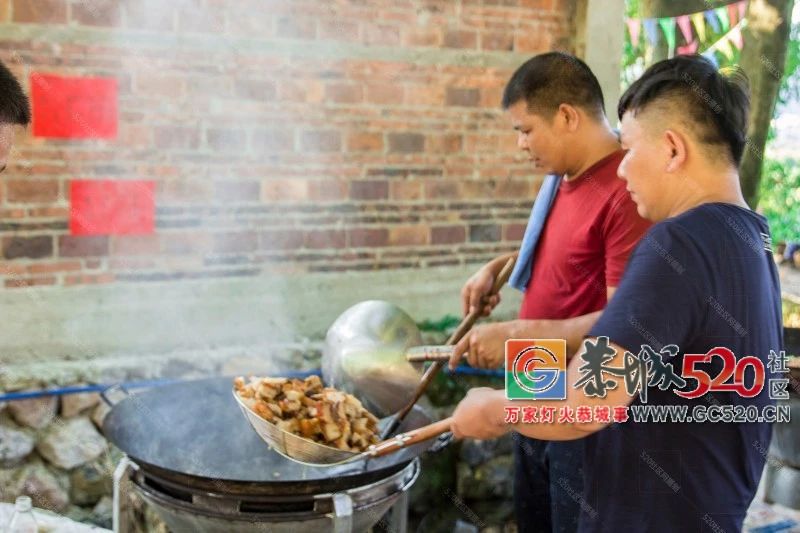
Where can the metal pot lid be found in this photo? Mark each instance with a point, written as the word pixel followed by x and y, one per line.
pixel 195 428
pixel 364 355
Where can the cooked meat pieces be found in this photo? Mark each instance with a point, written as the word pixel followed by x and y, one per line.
pixel 307 409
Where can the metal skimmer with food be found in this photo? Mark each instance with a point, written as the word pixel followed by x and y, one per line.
pixel 307 409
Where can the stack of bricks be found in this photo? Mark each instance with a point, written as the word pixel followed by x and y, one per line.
pixel 280 135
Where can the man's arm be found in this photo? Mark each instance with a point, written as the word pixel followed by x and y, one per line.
pixel 482 413
pixel 573 330
pixel 484 346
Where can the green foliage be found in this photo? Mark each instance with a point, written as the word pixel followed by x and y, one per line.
pixel 780 198
pixel 444 324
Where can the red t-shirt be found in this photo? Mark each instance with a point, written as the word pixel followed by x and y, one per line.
pixel 592 227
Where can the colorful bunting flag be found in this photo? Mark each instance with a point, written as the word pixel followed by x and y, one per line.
pixel 742 8
pixel 668 27
pixel 651 30
pixel 685 24
pixel 736 38
pixel 709 54
pixel 634 27
pixel 724 46
pixel 733 13
pixel 713 21
pixel 722 15
pixel 689 49
pixel 699 25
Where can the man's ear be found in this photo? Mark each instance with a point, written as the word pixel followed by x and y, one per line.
pixel 676 147
pixel 569 116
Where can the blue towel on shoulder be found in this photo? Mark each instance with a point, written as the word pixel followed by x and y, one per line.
pixel 521 275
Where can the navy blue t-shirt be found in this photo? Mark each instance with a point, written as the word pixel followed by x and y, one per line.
pixel 699 280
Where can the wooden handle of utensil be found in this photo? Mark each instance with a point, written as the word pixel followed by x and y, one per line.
pixel 403 440
pixel 462 329
pixel 469 320
pixel 422 354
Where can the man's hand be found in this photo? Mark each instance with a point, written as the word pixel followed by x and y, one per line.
pixel 476 415
pixel 476 287
pixel 484 346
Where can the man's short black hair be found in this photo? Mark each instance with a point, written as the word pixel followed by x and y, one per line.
pixel 14 106
pixel 715 103
pixel 548 80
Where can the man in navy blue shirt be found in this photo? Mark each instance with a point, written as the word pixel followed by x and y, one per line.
pixel 701 278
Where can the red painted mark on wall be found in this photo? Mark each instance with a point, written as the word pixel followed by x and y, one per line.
pixel 74 108
pixel 111 207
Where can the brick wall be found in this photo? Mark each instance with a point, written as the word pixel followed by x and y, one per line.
pixel 282 135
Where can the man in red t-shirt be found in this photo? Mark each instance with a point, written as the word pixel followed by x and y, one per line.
pixel 556 104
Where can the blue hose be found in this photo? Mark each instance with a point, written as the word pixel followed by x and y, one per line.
pixel 63 391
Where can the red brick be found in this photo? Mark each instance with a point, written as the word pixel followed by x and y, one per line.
pixel 185 243
pixel 457 96
pixel 460 39
pixel 235 242
pixel 321 141
pixel 237 191
pixel 513 232
pixel 12 268
pixel 441 189
pixel 287 239
pixel 40 11
pixel 338 30
pixel 172 137
pixel 365 142
pixel 430 95
pixel 448 234
pixel 135 245
pixel 369 190
pixel 30 247
pixel 381 35
pixel 20 283
pixel 97 12
pixel 5 10
pixel 296 27
pixel 450 143
pixel 82 246
pixel 368 237
pixel 89 279
pixel 327 189
pixel 31 191
pixel 384 93
pixel 344 93
pixel 226 140
pixel 406 142
pixel 409 235
pixel 328 238
pixel 273 140
pixel 49 212
pixel 183 190
pixel 152 84
pixel 427 36
pixel 485 233
pixel 49 268
pixel 253 89
pixel 406 190
pixel 281 190
pixel 497 40
pixel 532 42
